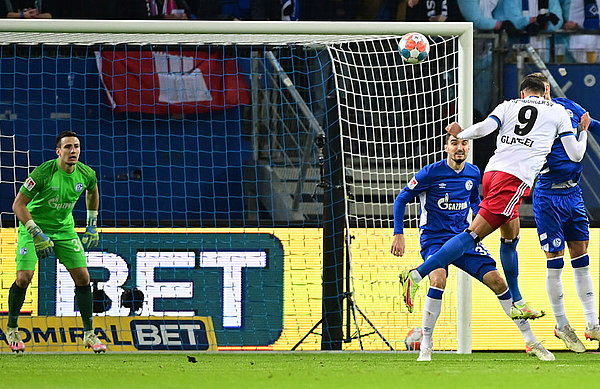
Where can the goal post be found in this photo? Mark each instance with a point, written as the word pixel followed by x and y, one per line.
pixel 183 168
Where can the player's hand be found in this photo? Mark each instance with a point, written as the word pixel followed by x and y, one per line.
pixel 398 245
pixel 90 239
pixel 585 121
pixel 43 244
pixel 454 129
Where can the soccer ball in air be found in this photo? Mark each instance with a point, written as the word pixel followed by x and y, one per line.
pixel 413 339
pixel 414 47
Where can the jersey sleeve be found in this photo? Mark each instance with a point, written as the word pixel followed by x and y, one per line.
pixel 565 126
pixel 416 185
pixel 34 183
pixel 498 113
pixel 475 199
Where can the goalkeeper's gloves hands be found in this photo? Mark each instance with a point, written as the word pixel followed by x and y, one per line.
pixel 43 244
pixel 91 238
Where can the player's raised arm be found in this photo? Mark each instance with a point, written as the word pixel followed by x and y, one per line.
pixel 477 130
pixel 575 146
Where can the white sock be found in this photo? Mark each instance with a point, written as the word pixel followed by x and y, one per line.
pixel 431 312
pixel 416 277
pixel 555 294
pixel 585 291
pixel 522 325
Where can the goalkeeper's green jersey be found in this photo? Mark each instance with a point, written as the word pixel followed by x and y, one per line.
pixel 53 195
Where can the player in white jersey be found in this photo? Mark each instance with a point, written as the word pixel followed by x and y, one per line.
pixel 528 127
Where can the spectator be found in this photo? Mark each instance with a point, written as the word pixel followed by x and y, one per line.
pixel 578 15
pixel 27 9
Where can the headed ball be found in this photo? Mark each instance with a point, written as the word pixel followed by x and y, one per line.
pixel 414 47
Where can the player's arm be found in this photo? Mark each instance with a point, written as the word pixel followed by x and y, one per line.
pixel 43 244
pixel 575 146
pixel 475 199
pixel 477 130
pixel 412 189
pixel 92 200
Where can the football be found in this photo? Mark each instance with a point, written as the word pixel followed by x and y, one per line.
pixel 414 47
pixel 413 339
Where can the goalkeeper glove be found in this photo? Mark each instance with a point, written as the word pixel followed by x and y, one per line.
pixel 91 238
pixel 43 244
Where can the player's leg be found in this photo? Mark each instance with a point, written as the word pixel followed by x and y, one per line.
pixel 577 237
pixel 480 265
pixel 71 254
pixel 509 237
pixel 453 249
pixel 26 259
pixel 584 286
pixel 431 311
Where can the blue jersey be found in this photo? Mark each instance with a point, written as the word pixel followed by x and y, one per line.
pixel 445 196
pixel 559 168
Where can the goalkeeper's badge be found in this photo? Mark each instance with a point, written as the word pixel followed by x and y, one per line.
pixel 23 251
pixel 79 187
pixel 29 183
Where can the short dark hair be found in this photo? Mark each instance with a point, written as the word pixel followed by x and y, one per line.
pixel 66 134
pixel 534 82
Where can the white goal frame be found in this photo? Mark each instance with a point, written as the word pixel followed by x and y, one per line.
pixel 225 32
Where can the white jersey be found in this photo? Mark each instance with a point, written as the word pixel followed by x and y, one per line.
pixel 528 128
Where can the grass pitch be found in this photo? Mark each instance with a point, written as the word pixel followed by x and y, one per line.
pixel 297 370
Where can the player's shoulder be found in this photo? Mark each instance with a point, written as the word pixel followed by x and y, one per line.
pixel 570 106
pixel 85 169
pixel 47 168
pixel 435 167
pixel 472 169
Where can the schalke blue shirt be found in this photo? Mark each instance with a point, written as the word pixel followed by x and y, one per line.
pixel 445 196
pixel 559 168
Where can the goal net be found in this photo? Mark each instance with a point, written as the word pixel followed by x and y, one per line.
pixel 210 141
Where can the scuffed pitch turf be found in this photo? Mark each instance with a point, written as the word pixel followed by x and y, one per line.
pixel 297 370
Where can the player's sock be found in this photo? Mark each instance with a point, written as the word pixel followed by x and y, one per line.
pixel 555 290
pixel 506 302
pixel 585 288
pixel 16 298
pixel 451 250
pixel 83 299
pixel 510 265
pixel 431 312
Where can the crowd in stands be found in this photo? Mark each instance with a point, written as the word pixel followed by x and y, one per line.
pixel 520 19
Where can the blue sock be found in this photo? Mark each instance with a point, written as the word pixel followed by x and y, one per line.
pixel 510 265
pixel 448 253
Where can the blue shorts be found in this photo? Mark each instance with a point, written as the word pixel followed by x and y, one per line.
pixel 476 262
pixel 560 218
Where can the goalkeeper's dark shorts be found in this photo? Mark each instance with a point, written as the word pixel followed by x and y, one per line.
pixel 476 262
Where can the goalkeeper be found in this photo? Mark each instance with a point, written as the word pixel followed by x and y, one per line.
pixel 44 207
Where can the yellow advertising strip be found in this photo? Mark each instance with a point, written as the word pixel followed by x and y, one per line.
pixel 49 333
pixel 376 291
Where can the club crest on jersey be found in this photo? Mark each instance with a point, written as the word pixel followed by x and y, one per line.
pixel 412 183
pixel 79 187
pixel 556 242
pixel 445 204
pixel 29 183
pixel 23 251
pixel 469 185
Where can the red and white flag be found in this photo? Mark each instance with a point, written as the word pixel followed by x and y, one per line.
pixel 168 82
